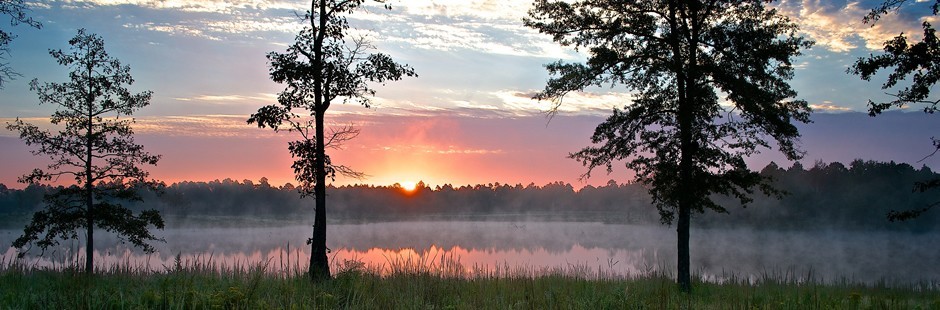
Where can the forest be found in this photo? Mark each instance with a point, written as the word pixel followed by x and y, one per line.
pixel 825 196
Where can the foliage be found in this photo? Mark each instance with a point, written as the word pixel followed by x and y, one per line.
pixel 919 187
pixel 323 65
pixel 96 148
pixel 919 62
pixel 682 141
pixel 16 9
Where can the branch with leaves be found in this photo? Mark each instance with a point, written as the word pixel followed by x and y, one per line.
pixel 17 11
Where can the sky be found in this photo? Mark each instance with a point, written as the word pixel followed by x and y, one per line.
pixel 468 117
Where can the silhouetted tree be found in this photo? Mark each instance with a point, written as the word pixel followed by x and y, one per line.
pixel 684 143
pixel 919 62
pixel 96 147
pixel 323 65
pixel 16 10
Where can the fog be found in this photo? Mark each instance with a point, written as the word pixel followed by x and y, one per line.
pixel 830 227
pixel 857 256
pixel 830 196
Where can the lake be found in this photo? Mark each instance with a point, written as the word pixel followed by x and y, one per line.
pixel 472 247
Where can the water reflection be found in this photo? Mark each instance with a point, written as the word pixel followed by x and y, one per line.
pixel 468 248
pixel 455 261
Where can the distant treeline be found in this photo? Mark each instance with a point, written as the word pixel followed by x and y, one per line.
pixel 825 196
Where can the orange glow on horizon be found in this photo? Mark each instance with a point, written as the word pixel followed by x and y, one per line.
pixel 391 149
pixel 408 186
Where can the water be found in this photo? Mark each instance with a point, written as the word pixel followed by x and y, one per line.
pixel 472 246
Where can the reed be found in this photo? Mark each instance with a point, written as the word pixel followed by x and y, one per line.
pixel 440 282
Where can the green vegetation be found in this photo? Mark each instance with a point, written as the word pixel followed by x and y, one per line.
pixel 429 285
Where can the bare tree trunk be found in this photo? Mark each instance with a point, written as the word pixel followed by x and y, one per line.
pixel 89 194
pixel 682 229
pixel 89 224
pixel 319 264
pixel 685 203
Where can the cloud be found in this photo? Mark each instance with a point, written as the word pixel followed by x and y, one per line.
pixel 838 26
pixel 491 27
pixel 221 28
pixel 434 26
pixel 487 26
pixel 176 30
pixel 504 10
pixel 203 6
pixel 229 98
pixel 482 103
pixel 200 126
pixel 38 5
pixel 434 149
pixel 173 126
pixel 575 103
pixel 827 106
pixel 210 20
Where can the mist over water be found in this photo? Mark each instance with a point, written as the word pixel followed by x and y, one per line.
pixel 864 256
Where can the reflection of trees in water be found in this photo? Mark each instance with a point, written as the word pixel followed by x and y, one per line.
pixel 859 255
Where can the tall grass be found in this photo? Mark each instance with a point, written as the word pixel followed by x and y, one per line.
pixel 439 282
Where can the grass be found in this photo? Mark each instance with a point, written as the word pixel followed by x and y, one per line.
pixel 198 283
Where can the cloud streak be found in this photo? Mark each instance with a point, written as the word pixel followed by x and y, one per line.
pixel 230 98
pixel 827 106
pixel 837 26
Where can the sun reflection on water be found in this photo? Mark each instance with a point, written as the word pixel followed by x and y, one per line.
pixel 453 262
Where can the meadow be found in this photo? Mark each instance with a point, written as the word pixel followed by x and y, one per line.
pixel 441 283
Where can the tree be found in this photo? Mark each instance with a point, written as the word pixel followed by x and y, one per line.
pixel 16 9
pixel 323 66
pixel 920 62
pixel 96 147
pixel 678 57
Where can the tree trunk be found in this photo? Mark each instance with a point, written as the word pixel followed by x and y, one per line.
pixel 89 226
pixel 689 147
pixel 685 195
pixel 682 230
pixel 685 115
pixel 89 193
pixel 319 265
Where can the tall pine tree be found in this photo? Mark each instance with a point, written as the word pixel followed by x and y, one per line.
pixel 96 148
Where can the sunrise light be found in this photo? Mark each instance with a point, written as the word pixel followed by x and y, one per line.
pixel 459 145
pixel 408 185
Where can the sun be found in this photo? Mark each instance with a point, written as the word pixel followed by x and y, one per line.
pixel 408 185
